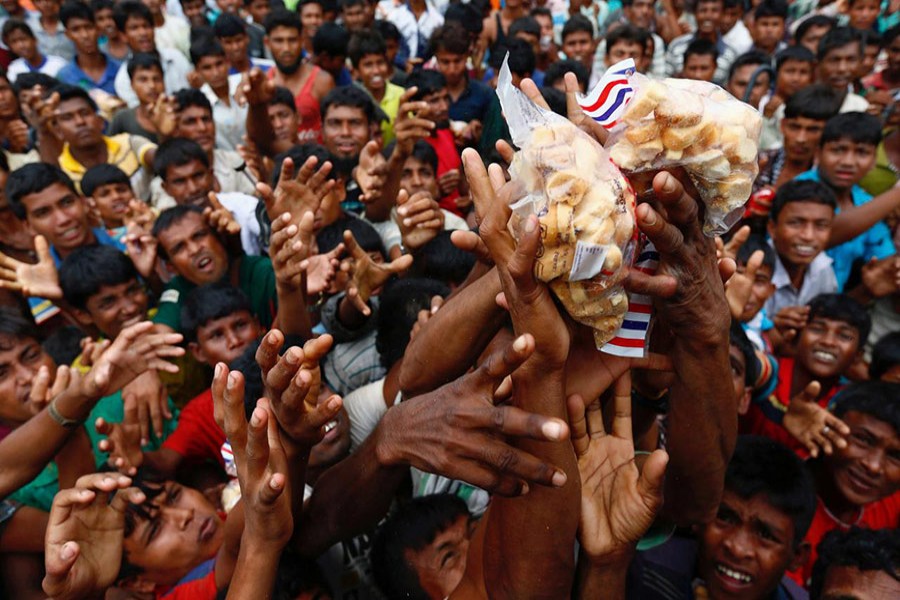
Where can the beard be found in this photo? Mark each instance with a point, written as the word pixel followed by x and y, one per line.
pixel 289 68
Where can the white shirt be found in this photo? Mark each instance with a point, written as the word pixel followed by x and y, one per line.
pixel 230 119
pixel 243 208
pixel 818 279
pixel 174 33
pixel 739 38
pixel 175 72
pixel 52 65
pixel 413 29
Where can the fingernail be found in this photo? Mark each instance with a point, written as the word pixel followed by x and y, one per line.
pixel 552 430
pixel 333 404
pixel 291 357
pixel 256 417
pixel 524 489
pixel 530 224
pixel 232 381
pixel 218 370
pixel 407 222
pixel 67 551
pixel 650 217
pixel 519 344
pixel 402 211
pixel 559 479
pixel 669 185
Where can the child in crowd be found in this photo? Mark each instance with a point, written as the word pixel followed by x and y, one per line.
pixel 19 38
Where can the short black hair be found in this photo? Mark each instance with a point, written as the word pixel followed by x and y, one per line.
pixel 557 71
pixel 342 4
pixel 201 48
pixel 363 43
pixel 555 99
pixel 837 38
pixel 228 25
pixel 885 355
pixel 813 21
pixel 796 53
pixel 424 153
pixel 176 152
pixel 281 17
pixel 27 81
pixel 771 8
pixel 172 216
pixel 353 97
pixel 98 5
pixel 100 175
pixel 878 399
pixel 526 25
pixel 701 47
pixel 888 37
pixel 412 527
pixel 131 9
pixel 72 9
pixel 72 92
pixel 87 269
pixel 629 33
pixel 33 178
pixel 209 302
pixel 754 243
pixel 869 37
pixel 284 96
pixel 15 325
pixel 187 97
pixel 840 307
pixel 366 236
pixel 450 37
pixel 522 61
pixel 64 344
pixel 575 24
pixel 862 549
pixel 753 57
pixel 400 303
pixel 760 466
pixel 143 61
pixel 738 338
pixel 427 82
pixel 466 15
pixel 330 40
pixel 15 24
pixel 858 127
pixel 300 153
pixel 817 101
pixel 801 191
pixel 443 261
pixel 387 30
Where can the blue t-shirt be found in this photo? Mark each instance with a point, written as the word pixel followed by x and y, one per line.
pixel 874 242
pixel 73 75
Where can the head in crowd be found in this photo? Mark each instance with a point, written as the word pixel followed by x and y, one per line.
pixel 578 41
pixel 189 246
pixel 348 122
pixel 211 62
pixel 368 55
pixel 444 262
pixel 218 323
pixel 420 171
pixel 77 122
pixel 283 115
pixel 811 31
pixel 890 41
pixel 700 60
pixel 732 12
pixel 356 14
pixel 450 47
pixel 766 509
pixel 862 14
pixel 330 48
pixel 195 11
pixel 885 364
pixel 135 21
pixel 763 288
pixel 21 357
pixel 108 191
pixel 794 68
pixel 231 32
pixel 19 38
pixel 640 13
pixel 392 41
pixel 258 10
pixel 769 18
pixel 744 366
pixel 805 115
pixel 431 87
pixel 626 41
pixel 857 561
pixel 838 55
pixel 13 229
pixel 401 301
pixel 833 338
pixel 146 74
pixel 872 43
pixel 800 222
pixel 554 76
pixel 194 117
pixel 521 60
pixel 101 285
pixel 748 81
pixel 310 18
pixel 183 166
pixel 847 149
pixel 708 14
pixel 81 29
pixel 528 30
pixel 284 39
pixel 420 551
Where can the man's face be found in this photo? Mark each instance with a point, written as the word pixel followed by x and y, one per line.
pixel 441 564
pixel 196 123
pixel 372 71
pixel 452 66
pixel 801 231
pixel 189 184
pixel 111 201
pixel 746 549
pixel 225 339
pixel 78 124
pixel 237 49
pixel 864 13
pixel 701 67
pixel 48 8
pixel 760 291
pixel 793 76
pixel 625 49
pixel 839 66
pixel 418 176
pixel 83 34
pixel 139 35
pixel 60 215
pixel 345 130
pixel 843 163
pixel 708 15
pixel 640 13
pixel 284 122
pixel 730 17
pixel 767 32
pixel 22 44
pixel 870 57
pixel 20 359
pixel 801 137
pixel 194 251
pixel 9 104
pixel 214 70
pixel 438 107
pixel 286 46
pixel 311 17
pixel 148 84
pixel 868 469
pixel 183 531
pixel 812 36
pixel 259 10
pixel 105 22
pixel 115 307
pixel 579 46
pixel 356 17
pixel 739 378
pixel 851 583
pixel 827 347
pixel 195 12
pixel 740 81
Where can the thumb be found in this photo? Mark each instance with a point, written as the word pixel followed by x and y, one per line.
pixel 42 248
pixel 59 564
pixel 811 391
pixel 653 474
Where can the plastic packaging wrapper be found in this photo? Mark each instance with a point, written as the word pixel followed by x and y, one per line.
pixel 585 207
pixel 670 123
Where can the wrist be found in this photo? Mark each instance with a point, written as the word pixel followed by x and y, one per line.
pixel 387 452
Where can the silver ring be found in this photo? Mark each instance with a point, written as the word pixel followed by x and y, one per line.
pixel 825 430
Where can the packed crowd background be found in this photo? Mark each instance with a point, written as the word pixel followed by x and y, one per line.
pixel 265 331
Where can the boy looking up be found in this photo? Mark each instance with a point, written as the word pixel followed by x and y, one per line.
pixel 91 69
pixel 19 38
pixel 368 55
pixel 700 60
pixel 838 55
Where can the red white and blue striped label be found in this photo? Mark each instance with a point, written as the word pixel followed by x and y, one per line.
pixel 631 338
pixel 607 101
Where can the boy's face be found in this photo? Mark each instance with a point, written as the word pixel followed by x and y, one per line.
pixel 767 32
pixel 194 251
pixel 827 347
pixel 345 130
pixel 812 37
pixel 189 184
pixel 418 176
pixel 843 163
pixel 148 84
pixel 801 232
pixel 83 34
pixel 259 10
pixel 22 44
pixel 311 17
pixel 115 307
pixel 839 66
pixel 740 81
pixel 640 13
pixel 438 107
pixel 746 549
pixel 624 49
pixel 708 14
pixel 701 67
pixel 286 46
pixel 579 46
pixel 355 17
pixel 139 35
pixel 801 137
pixel 730 17
pixel 195 12
pixel 868 469
pixel 441 564
pixel 760 292
pixel 9 103
pixel 870 57
pixel 196 122
pixel 863 13
pixel 372 71
pixel 112 201
pixel 284 122
pixel 20 359
pixel 78 123
pixel 237 49
pixel 183 531
pixel 60 215
pixel 793 76
pixel 225 339
pixel 452 66
pixel 105 22
pixel 214 70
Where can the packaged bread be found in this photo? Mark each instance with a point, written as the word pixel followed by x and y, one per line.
pixel 584 205
pixel 669 123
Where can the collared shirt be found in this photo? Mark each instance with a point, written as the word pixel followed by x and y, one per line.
pixel 389 104
pixel 874 242
pixel 126 151
pixel 818 279
pixel 675 57
pixel 416 32
pixel 51 44
pixel 175 75
pixel 230 171
pixel 230 119
pixel 473 103
pixel 50 66
pixel 74 75
pixel 173 33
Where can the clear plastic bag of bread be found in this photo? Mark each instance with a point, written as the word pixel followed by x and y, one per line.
pixel 695 125
pixel 585 207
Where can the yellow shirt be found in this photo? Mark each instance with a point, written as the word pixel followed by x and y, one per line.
pixel 126 151
pixel 390 104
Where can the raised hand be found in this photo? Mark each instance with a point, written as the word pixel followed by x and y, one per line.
pixel 41 111
pixel 574 112
pixel 18 135
pixel 739 286
pixel 790 320
pixel 83 544
pixel 123 440
pixel 371 172
pixel 255 88
pixel 449 182
pixel 163 114
pixel 220 218
pixel 420 219
pixel 424 315
pixel 252 158
pixel 409 127
pixel 40 279
pixel 45 387
pixel 321 269
pixel 367 276
pixel 297 195
pixel 142 247
pixel 731 249
pixel 289 247
pixel 812 425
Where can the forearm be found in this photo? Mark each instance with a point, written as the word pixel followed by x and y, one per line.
pixel 254 574
pixel 292 315
pixel 381 210
pixel 454 337
pixel 75 459
pixel 49 146
pixel 260 132
pixel 600 581
pixel 851 222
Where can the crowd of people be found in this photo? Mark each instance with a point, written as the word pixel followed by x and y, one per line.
pixel 266 329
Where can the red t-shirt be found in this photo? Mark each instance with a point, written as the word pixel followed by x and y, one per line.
pixel 883 514
pixel 198 437
pixel 448 159
pixel 199 584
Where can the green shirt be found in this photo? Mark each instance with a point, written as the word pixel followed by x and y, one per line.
pixel 255 278
pixel 40 492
